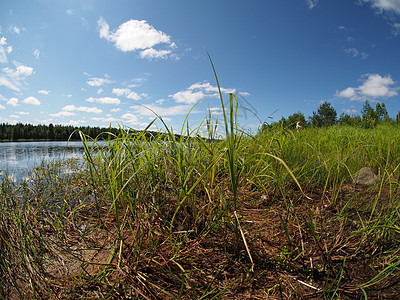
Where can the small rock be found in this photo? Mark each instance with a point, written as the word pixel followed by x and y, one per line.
pixel 365 176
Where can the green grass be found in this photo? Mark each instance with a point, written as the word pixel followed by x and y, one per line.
pixel 218 215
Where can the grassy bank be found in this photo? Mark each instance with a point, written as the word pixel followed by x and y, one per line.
pixel 275 215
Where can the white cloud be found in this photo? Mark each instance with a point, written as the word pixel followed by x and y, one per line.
pixel 12 102
pixel 2 107
pixel 5 82
pixel 98 81
pixel 378 86
pixel 3 41
pixel 348 93
pixel 131 119
pixel 312 3
pixel 63 114
pixel 31 100
pixel 373 86
pixel 36 53
pixel 351 111
pixel 67 95
pixel 108 120
pixel 14 29
pixel 99 91
pixel 133 96
pixel 115 109
pixel 82 108
pixel 351 51
pixel 198 91
pixel 127 93
pixel 20 72
pixel 69 12
pixel 149 110
pixel 43 92
pixel 188 96
pixel 14 76
pixel 137 35
pixel 104 100
pixel 3 56
pixel 121 92
pixel 9 49
pixel 23 113
pixel 354 52
pixel 14 116
pixel 153 53
pixel 385 5
pixel 396 28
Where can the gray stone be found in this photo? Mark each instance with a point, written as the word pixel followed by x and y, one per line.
pixel 365 176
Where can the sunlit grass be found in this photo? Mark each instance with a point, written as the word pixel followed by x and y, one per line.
pixel 189 215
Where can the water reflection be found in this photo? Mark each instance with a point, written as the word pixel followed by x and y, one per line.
pixel 17 158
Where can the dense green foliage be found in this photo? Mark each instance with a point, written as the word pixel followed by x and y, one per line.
pixel 326 115
pixel 51 132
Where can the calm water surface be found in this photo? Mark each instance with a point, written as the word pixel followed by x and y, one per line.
pixel 19 157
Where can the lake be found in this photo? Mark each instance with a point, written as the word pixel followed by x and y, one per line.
pixel 20 157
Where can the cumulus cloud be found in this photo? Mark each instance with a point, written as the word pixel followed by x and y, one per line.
pixel 149 110
pixel 131 118
pixel 153 53
pixel 71 108
pixel 14 76
pixel 2 107
pixel 43 92
pixel 31 100
pixel 94 81
pixel 108 119
pixel 198 91
pixel 19 73
pixel 3 41
pixel 127 93
pixel 12 102
pixel 121 92
pixel 63 114
pixel 373 86
pixel 104 100
pixel 188 96
pixel 385 5
pixel 137 35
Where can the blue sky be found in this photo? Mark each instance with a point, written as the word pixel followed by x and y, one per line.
pixel 101 62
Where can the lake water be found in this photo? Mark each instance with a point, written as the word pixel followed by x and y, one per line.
pixel 19 157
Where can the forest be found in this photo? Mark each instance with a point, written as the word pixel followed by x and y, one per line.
pixel 28 132
pixel 326 115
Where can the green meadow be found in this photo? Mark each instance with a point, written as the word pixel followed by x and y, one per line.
pixel 210 213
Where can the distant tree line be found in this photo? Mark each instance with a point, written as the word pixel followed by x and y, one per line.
pixel 326 116
pixel 49 132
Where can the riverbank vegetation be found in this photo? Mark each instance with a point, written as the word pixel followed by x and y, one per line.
pixel 225 215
